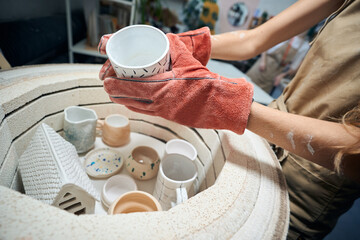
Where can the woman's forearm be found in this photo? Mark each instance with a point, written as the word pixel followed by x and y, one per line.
pixel 312 139
pixel 245 44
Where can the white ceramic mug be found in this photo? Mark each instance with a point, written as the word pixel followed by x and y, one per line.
pixel 138 51
pixel 174 183
pixel 181 147
pixel 80 127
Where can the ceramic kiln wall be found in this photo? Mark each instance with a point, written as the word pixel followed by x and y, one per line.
pixel 239 185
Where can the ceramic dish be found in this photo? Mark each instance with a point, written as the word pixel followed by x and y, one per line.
pixel 116 186
pixel 103 162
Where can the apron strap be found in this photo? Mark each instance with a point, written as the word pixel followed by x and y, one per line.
pixel 282 62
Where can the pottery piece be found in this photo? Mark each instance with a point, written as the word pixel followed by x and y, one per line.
pixel 181 147
pixel 103 162
pixel 116 186
pixel 80 127
pixel 115 130
pixel 138 51
pixel 177 174
pixel 74 199
pixel 49 163
pixel 134 201
pixel 143 163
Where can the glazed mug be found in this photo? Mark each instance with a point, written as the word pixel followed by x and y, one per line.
pixel 138 51
pixel 134 201
pixel 115 130
pixel 80 127
pixel 143 163
pixel 174 183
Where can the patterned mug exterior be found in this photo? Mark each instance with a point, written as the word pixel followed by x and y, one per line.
pixel 138 51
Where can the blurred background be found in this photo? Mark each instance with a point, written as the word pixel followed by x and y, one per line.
pixel 60 31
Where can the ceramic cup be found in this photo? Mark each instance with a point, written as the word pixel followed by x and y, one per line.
pixel 174 183
pixel 115 130
pixel 138 51
pixel 116 186
pixel 134 201
pixel 181 147
pixel 143 163
pixel 80 127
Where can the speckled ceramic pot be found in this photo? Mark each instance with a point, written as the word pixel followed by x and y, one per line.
pixel 143 163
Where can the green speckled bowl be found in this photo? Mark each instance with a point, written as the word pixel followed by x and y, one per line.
pixel 143 163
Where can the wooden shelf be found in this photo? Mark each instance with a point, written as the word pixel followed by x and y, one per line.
pixel 82 48
pixel 125 2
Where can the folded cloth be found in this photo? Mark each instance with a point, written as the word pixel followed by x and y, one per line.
pixel 189 94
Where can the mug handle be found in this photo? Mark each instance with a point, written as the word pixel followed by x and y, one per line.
pixel 181 196
pixel 99 127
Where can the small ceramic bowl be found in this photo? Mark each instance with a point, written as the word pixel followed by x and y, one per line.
pixel 143 163
pixel 116 186
pixel 134 201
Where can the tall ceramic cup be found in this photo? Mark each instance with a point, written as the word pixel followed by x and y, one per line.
pixel 115 130
pixel 138 51
pixel 174 183
pixel 80 127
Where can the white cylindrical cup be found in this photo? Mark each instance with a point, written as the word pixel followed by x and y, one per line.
pixel 116 186
pixel 181 147
pixel 177 174
pixel 138 51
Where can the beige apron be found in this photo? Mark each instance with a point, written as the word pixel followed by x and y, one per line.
pixel 275 64
pixel 326 86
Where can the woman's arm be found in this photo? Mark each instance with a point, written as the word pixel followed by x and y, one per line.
pixel 297 18
pixel 313 139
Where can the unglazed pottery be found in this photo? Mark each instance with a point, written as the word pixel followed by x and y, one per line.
pixel 134 201
pixel 103 162
pixel 74 199
pixel 49 163
pixel 80 127
pixel 181 147
pixel 115 130
pixel 116 186
pixel 143 163
pixel 138 51
pixel 177 174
